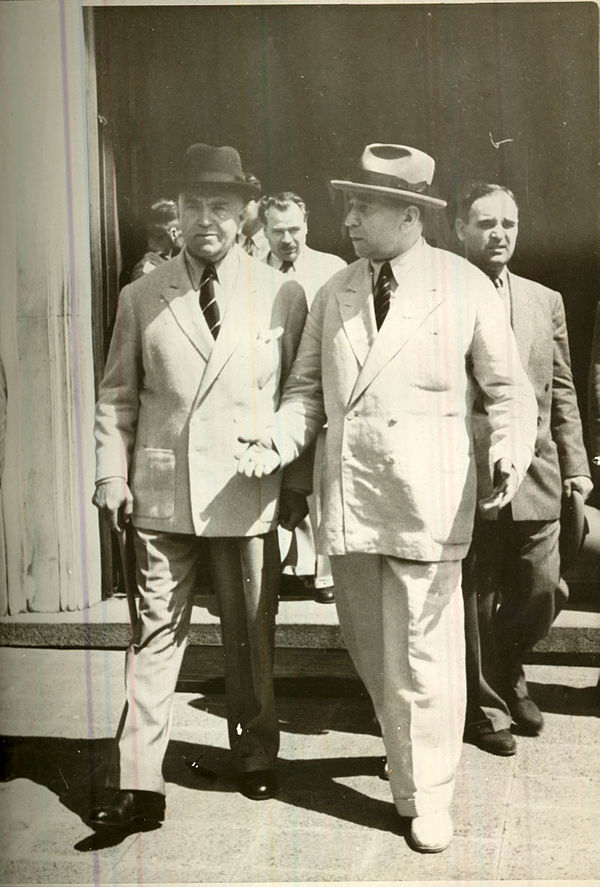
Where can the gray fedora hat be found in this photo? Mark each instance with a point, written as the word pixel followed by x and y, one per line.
pixel 208 165
pixel 579 533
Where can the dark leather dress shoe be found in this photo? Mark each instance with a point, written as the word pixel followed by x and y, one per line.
pixel 325 595
pixel 125 809
pixel 295 588
pixel 258 785
pixel 495 742
pixel 526 716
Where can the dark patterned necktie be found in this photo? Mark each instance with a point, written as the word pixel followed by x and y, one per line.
pixel 499 284
pixel 285 267
pixel 208 302
pixel 248 246
pixel 382 294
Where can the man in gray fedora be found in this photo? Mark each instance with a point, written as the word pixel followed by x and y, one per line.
pixel 395 348
pixel 198 356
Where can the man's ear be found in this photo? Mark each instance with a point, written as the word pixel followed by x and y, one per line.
pixel 411 216
pixel 459 227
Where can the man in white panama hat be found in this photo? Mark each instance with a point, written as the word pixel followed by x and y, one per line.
pixel 394 349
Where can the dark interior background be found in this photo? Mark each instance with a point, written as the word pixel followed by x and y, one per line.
pixel 504 92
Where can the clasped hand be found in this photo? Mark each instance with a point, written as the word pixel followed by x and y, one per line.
pixel 258 458
pixel 505 486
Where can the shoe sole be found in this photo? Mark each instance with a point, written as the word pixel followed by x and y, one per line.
pixel 137 821
pixel 421 849
pixel 499 753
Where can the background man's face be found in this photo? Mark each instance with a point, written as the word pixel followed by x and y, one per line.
pixel 174 232
pixel 373 225
pixel 490 233
pixel 250 216
pixel 286 231
pixel 210 217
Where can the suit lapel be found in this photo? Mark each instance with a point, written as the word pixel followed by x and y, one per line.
pixel 356 312
pixel 520 316
pixel 182 300
pixel 416 298
pixel 240 316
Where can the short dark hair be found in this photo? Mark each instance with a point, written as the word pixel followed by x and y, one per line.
pixel 280 201
pixel 254 183
pixel 161 216
pixel 475 189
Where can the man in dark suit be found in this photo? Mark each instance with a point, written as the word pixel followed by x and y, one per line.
pixel 512 574
pixel 199 353
pixel 164 238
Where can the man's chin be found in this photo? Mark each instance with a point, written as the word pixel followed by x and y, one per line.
pixel 207 253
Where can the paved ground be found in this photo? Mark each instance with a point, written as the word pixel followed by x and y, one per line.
pixel 534 816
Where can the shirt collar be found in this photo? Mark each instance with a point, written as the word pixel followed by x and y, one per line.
pixel 400 264
pixel 225 268
pixel 274 262
pixel 503 277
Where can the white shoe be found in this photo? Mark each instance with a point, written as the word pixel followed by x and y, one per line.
pixel 431 833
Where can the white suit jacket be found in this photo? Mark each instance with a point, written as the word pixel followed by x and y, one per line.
pixel 173 401
pixel 399 473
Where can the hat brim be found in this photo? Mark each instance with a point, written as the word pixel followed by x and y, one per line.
pixel 572 527
pixel 404 196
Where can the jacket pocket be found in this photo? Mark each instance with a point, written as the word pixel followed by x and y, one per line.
pixel 153 483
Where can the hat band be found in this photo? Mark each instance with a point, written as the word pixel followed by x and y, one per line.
pixel 369 177
pixel 225 178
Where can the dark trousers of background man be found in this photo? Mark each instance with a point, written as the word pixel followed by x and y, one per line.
pixel 512 594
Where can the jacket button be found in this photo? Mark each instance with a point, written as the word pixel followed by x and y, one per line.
pixel 547 386
pixel 537 452
pixel 539 420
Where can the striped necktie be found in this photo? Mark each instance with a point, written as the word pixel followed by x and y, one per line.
pixel 382 294
pixel 208 302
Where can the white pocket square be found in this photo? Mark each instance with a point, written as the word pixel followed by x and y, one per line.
pixel 270 335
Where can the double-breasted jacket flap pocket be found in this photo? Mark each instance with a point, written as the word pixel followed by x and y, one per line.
pixel 153 483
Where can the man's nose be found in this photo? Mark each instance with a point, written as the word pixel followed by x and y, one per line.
pixel 204 216
pixel 286 237
pixel 350 219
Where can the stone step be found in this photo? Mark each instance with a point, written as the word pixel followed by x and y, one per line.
pixel 308 638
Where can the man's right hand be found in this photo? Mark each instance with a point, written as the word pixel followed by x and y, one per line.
pixel 113 498
pixel 257 458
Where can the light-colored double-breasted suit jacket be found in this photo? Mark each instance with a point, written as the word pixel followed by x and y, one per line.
pixel 399 474
pixel 540 328
pixel 173 401
pixel 594 390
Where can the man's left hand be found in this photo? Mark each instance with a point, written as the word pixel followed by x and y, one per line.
pixel 293 508
pixel 505 486
pixel 582 484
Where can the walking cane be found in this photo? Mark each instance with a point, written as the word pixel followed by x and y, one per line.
pixel 128 565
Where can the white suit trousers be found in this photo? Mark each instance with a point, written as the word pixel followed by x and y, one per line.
pixel 402 622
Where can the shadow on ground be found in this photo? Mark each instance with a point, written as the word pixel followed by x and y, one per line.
pixel 74 770
pixel 563 700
